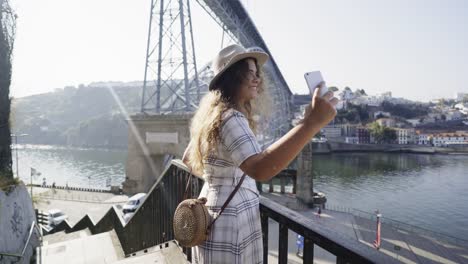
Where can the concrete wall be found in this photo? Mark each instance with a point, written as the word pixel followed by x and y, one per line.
pixel 318 147
pixel 16 217
pixel 150 139
pixel 304 183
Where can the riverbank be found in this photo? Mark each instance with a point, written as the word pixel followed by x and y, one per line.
pixel 337 147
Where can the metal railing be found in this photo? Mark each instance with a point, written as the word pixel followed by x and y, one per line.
pixel 21 255
pixel 151 224
pixel 346 250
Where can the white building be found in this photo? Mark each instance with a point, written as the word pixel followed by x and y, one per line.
pixel 413 122
pixel 461 96
pixel 346 94
pixel 424 139
pixel 405 135
pixel 445 139
pixel 386 95
pixel 332 132
pixel 454 115
pixel 388 122
pixel 352 140
pixel 462 108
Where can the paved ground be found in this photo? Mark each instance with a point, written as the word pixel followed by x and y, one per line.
pixel 76 204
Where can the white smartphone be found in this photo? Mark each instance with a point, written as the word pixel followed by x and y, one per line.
pixel 313 79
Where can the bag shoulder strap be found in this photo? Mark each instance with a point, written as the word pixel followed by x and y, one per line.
pixel 228 200
pixel 225 203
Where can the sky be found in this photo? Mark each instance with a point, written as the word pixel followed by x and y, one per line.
pixel 415 49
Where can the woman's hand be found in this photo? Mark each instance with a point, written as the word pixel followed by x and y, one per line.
pixel 322 110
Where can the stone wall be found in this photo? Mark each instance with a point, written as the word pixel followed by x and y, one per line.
pixel 151 139
pixel 16 217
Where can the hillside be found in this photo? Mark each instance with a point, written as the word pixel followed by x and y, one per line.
pixel 87 116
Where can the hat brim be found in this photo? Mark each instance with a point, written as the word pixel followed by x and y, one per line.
pixel 261 58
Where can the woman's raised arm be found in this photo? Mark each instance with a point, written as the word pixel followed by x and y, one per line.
pixel 277 156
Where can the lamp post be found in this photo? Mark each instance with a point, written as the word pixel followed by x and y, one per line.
pixel 16 154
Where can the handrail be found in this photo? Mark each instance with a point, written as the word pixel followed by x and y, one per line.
pixel 151 223
pixel 18 255
pixel 346 249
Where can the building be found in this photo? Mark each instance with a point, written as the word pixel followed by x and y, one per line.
pixel 423 139
pixel 388 122
pixel 363 135
pixel 413 122
pixel 454 115
pixel 462 107
pixel 348 130
pixel 446 139
pixel 332 132
pixel 352 140
pixel 386 95
pixel 461 96
pixel 405 136
pixel 381 114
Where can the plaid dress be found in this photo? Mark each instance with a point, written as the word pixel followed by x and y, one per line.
pixel 236 237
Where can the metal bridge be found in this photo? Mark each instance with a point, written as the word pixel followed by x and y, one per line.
pixel 171 53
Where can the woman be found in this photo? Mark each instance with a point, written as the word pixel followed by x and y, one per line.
pixel 223 147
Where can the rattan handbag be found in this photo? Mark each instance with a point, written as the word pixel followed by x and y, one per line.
pixel 192 222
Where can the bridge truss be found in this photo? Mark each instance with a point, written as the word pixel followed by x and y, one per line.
pixel 172 53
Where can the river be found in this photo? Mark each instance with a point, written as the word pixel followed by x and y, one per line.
pixel 429 191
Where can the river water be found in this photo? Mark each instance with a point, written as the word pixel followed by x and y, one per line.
pixel 430 191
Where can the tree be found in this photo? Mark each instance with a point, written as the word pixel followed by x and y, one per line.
pixel 7 36
pixel 377 132
pixel 389 135
pixel 382 134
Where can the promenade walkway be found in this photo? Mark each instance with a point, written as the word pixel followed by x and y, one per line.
pixel 76 204
pixel 403 245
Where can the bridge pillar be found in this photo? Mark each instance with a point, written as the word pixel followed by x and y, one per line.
pixel 305 184
pixel 153 140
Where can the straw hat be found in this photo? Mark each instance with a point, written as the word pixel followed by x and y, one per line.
pixel 232 54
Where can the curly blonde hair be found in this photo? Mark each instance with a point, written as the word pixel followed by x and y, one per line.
pixel 206 124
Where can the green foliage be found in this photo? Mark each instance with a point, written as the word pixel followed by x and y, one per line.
pixel 6 182
pixel 353 114
pixel 405 110
pixel 382 134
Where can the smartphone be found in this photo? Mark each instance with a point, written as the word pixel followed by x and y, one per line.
pixel 313 79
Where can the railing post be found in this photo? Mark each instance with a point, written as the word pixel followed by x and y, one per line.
pixel 341 260
pixel 264 219
pixel 282 182
pixel 294 183
pixel 283 244
pixel 308 251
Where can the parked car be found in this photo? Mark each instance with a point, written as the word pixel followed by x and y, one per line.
pixel 127 217
pixel 133 203
pixel 56 216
